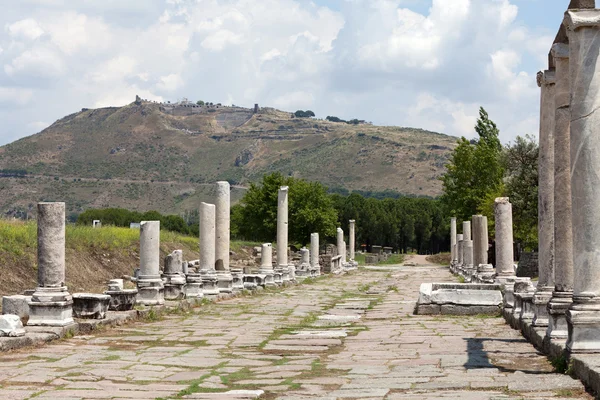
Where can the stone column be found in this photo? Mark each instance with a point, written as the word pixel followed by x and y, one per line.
pixel 207 249
pixel 467 248
pixel 583 316
pixel 341 247
pixel 352 239
pixel 173 276
pixel 453 256
pixel 480 240
pixel 562 277
pixel 149 283
pixel 504 239
pixel 51 304
pixel 546 194
pixel 225 279
pixel 266 264
pixel 459 250
pixel 314 254
pixel 282 233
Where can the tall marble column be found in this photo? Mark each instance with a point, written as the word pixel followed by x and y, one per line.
pixel 459 250
pixel 453 256
pixel 467 270
pixel 562 295
pixel 207 249
pixel 583 316
pixel 314 254
pixel 352 239
pixel 547 194
pixel 504 239
pixel 51 304
pixel 223 233
pixel 282 233
pixel 149 283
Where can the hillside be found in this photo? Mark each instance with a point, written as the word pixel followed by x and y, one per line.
pixel 160 156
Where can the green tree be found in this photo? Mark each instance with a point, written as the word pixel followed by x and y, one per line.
pixel 310 210
pixel 200 102
pixel 521 163
pixel 475 170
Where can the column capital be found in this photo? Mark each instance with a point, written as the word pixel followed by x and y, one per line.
pixel 560 50
pixel 546 77
pixel 575 19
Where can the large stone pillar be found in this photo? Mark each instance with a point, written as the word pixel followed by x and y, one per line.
pixel 467 270
pixel 453 257
pixel 459 251
pixel 282 233
pixel 51 304
pixel 173 277
pixel 504 239
pixel 562 295
pixel 352 239
pixel 583 316
pixel 207 249
pixel 314 254
pixel 149 283
pixel 547 194
pixel 223 208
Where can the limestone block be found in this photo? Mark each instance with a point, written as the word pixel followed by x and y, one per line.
pixel 122 300
pixel 17 305
pixel 11 325
pixel 90 305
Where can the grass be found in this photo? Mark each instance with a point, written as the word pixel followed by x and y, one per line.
pixel 360 258
pixel 441 258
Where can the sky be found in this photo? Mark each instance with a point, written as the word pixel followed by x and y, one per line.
pixel 426 64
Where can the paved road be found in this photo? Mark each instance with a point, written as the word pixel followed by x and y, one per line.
pixel 336 338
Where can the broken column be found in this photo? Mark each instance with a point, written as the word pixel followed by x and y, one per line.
pixel 266 264
pixel 453 258
pixel 546 192
pixel 51 304
pixel 223 206
pixel 282 234
pixel 562 234
pixel 314 254
pixel 207 250
pixel 149 283
pixel 459 251
pixel 583 316
pixel 304 270
pixel 173 277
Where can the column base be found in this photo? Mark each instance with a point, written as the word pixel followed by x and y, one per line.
pixel 151 290
pixel 224 281
pixel 51 307
pixel 557 310
pixel 269 276
pixel 583 319
pixel 193 286
pixel 540 306
pixel 174 286
pixel 238 280
pixel 210 285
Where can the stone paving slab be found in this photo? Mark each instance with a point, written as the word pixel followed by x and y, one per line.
pixel 329 339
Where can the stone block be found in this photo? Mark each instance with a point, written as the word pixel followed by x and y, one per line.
pixel 122 300
pixel 17 305
pixel 11 325
pixel 90 305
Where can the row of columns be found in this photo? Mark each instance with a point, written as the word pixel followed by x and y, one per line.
pixel 51 304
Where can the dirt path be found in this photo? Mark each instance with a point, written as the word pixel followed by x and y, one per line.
pixel 344 337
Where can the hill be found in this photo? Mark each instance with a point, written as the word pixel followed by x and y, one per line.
pixel 147 155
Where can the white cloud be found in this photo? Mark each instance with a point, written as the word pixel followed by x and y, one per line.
pixel 25 29
pixel 72 32
pixel 16 96
pixel 39 61
pixel 221 39
pixel 170 82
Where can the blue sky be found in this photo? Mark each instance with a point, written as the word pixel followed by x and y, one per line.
pixel 421 63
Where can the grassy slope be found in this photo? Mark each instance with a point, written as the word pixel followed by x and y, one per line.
pixel 93 256
pixel 141 158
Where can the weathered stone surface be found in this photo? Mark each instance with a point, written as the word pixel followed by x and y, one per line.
pixel 453 239
pixel 90 305
pixel 282 228
pixel 17 305
pixel 504 238
pixel 351 237
pixel 11 325
pixel 149 283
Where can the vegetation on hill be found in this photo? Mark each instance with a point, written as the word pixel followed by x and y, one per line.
pixel 123 218
pixel 481 170
pixel 147 157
